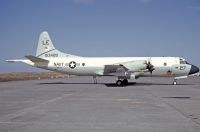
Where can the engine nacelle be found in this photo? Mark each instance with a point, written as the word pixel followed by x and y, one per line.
pixel 132 76
pixel 136 65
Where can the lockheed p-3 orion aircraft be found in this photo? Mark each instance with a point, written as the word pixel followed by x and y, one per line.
pixel 123 68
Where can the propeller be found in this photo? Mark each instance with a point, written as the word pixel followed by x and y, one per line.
pixel 150 67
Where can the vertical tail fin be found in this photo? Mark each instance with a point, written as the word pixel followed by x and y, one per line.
pixel 46 48
pixel 45 44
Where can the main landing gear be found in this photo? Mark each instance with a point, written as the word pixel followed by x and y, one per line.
pixel 95 79
pixel 123 82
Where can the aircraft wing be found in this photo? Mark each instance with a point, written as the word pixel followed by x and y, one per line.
pixel 135 66
pixel 116 70
pixel 126 68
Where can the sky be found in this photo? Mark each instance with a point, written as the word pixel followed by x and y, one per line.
pixel 100 28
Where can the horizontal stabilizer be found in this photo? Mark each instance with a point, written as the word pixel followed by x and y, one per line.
pixel 29 62
pixel 36 59
pixel 13 61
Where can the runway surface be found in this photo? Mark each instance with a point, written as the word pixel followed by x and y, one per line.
pixel 78 105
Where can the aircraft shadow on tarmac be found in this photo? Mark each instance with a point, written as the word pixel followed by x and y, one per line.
pixel 112 84
pixel 140 84
pixel 106 84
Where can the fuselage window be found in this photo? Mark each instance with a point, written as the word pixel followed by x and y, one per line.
pixel 83 64
pixel 165 64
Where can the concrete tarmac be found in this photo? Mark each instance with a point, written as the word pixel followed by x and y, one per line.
pixel 78 105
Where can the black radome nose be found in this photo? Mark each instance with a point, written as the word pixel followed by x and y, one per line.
pixel 193 70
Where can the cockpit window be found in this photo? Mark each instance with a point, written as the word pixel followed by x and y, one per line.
pixel 183 61
pixel 187 62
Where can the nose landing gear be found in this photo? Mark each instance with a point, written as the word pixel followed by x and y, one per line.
pixel 174 82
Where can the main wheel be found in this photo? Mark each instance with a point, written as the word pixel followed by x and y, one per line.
pixel 125 82
pixel 119 83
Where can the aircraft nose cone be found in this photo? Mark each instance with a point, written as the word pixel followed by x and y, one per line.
pixel 193 70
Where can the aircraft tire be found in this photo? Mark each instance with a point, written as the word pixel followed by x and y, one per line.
pixel 125 82
pixel 175 83
pixel 119 83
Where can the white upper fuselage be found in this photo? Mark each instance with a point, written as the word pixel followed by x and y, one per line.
pixel 164 66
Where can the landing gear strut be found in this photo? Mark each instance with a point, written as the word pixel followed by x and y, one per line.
pixel 123 82
pixel 95 79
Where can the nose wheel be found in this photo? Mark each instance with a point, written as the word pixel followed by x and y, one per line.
pixel 123 82
pixel 174 82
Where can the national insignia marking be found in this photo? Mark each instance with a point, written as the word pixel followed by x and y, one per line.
pixel 72 64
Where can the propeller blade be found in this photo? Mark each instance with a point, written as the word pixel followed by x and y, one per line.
pixel 150 67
